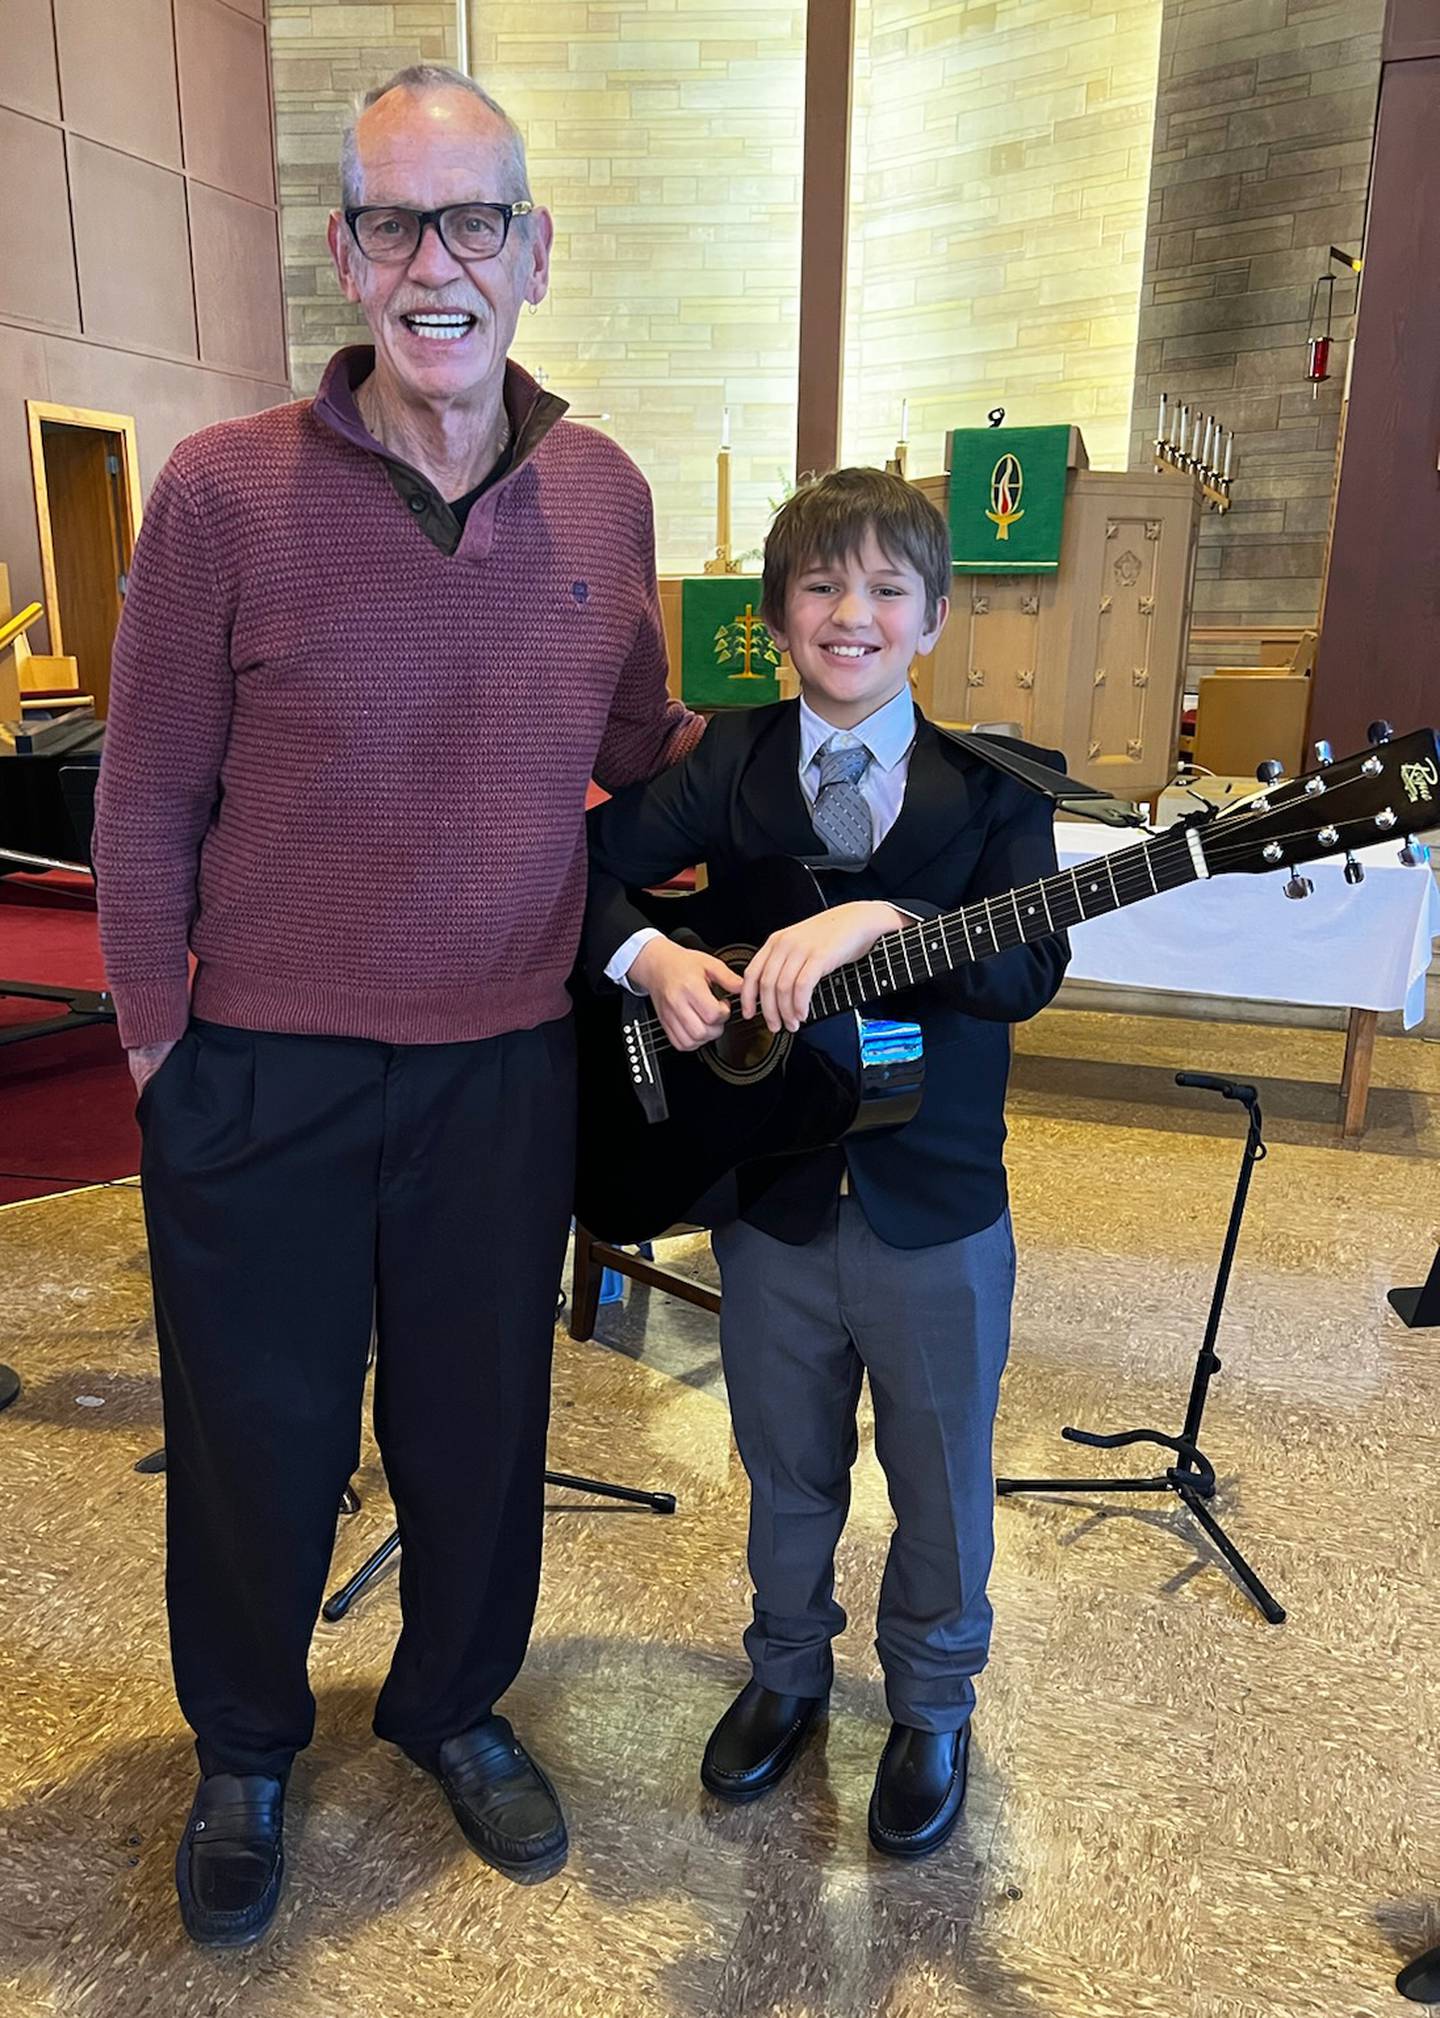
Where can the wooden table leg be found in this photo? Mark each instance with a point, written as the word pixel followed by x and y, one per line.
pixel 1355 1075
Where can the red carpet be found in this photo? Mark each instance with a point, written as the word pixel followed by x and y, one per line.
pixel 66 1101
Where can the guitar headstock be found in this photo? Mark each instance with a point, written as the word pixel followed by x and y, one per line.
pixel 1388 791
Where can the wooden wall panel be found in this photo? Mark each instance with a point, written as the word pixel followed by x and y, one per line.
pixel 1412 29
pixel 236 251
pixel 225 99
pixel 1380 637
pixel 22 377
pixel 27 74
pixel 117 71
pixel 37 261
pixel 133 250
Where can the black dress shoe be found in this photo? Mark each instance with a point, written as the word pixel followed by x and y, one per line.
pixel 1420 1979
pixel 503 1802
pixel 231 1859
pixel 757 1741
pixel 919 1790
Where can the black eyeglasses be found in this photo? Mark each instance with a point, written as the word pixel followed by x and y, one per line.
pixel 386 232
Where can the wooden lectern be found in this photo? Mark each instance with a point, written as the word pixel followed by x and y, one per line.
pixel 1089 659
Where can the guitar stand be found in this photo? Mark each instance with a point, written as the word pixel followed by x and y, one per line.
pixel 1192 1479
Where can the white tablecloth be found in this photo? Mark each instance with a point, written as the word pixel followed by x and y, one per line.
pixel 1362 946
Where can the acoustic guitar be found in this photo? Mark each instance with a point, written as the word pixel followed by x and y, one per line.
pixel 659 1129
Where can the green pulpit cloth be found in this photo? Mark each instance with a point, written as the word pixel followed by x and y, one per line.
pixel 1007 499
pixel 727 657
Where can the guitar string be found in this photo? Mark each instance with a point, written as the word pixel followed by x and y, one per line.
pixel 1128 860
pixel 1221 845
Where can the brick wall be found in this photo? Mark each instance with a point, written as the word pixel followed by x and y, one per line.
pixel 999 180
pixel 323 55
pixel 667 143
pixel 1264 118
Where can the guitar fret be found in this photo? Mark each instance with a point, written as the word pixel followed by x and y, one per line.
pixel 889 963
pixel 1150 868
pixel 1019 922
pixel 1044 899
pixel 1111 874
pixel 925 950
pixel 965 928
pixel 905 954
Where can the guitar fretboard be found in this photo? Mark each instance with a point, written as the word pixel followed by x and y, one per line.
pixel 1014 918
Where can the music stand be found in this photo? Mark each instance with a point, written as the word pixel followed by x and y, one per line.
pixel 1192 1480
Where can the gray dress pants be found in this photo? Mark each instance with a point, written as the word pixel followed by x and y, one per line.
pixel 799 1328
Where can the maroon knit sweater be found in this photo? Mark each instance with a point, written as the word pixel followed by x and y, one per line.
pixel 347 770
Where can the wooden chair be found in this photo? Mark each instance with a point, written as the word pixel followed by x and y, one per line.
pixel 593 1257
pixel 1240 720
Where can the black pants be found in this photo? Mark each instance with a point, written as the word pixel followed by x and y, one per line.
pixel 295 1189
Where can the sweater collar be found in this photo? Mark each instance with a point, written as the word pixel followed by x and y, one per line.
pixel 533 410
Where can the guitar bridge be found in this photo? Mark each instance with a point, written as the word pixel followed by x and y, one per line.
pixel 637 1033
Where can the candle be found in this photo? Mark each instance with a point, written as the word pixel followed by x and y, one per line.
pixel 725 428
pixel 722 502
pixel 1205 447
pixel 1160 425
pixel 1183 442
pixel 904 420
pixel 1230 443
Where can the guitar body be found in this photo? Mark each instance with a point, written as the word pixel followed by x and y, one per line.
pixel 746 1096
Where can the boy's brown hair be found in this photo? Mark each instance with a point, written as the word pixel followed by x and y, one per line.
pixel 826 522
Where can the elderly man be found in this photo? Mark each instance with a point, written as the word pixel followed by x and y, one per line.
pixel 374 647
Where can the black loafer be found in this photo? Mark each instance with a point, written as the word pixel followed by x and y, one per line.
pixel 919 1790
pixel 757 1741
pixel 231 1860
pixel 503 1802
pixel 1420 1979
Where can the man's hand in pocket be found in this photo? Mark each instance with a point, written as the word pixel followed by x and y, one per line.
pixel 145 1061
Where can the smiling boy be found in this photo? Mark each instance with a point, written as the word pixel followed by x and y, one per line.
pixel 892 1255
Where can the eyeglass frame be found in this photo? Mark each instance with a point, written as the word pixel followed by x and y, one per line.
pixel 425 218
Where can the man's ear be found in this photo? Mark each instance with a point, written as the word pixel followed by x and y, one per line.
pixel 542 237
pixel 342 252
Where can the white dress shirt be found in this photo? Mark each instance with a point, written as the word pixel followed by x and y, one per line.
pixel 889 736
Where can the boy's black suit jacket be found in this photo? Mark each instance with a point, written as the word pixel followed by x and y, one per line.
pixel 965 831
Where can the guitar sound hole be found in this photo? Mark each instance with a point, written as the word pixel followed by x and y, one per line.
pixel 746 1048
pixel 745 1051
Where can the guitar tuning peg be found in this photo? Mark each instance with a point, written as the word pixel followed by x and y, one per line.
pixel 1323 753
pixel 1354 871
pixel 1378 732
pixel 1299 886
pixel 1270 770
pixel 1414 854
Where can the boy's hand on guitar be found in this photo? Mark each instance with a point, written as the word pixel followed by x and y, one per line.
pixel 682 983
pixel 781 977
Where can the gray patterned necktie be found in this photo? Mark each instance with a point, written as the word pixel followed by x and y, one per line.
pixel 841 816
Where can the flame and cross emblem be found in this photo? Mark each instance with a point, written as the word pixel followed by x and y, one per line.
pixel 1007 483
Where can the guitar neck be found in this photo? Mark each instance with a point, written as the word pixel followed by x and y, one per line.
pixel 940 945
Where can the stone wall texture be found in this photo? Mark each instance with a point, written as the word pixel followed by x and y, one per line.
pixel 1264 118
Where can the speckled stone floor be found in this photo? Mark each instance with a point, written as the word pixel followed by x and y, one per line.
pixel 1175 1809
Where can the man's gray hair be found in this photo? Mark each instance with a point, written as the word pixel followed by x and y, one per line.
pixel 422 77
